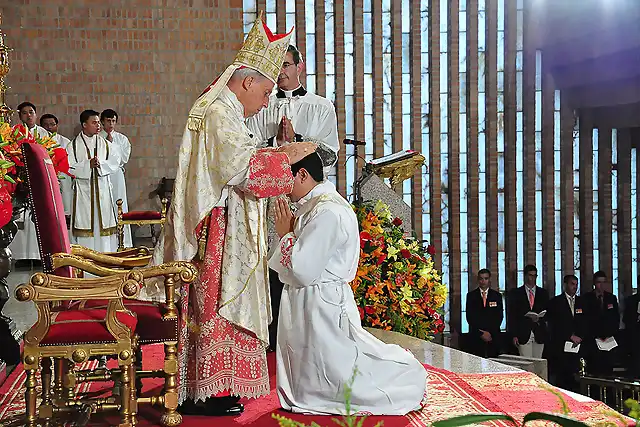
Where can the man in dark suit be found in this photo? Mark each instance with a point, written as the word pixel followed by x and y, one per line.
pixel 484 315
pixel 528 335
pixel 604 322
pixel 567 323
pixel 631 319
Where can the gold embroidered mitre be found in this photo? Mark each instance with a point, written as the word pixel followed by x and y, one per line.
pixel 262 51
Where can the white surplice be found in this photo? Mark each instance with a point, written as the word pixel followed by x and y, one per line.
pixel 94 213
pixel 121 142
pixel 312 117
pixel 25 244
pixel 66 182
pixel 320 336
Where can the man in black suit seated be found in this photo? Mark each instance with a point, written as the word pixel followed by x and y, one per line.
pixel 567 323
pixel 604 322
pixel 528 335
pixel 631 319
pixel 484 315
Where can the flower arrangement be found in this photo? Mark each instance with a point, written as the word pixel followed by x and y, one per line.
pixel 396 287
pixel 12 170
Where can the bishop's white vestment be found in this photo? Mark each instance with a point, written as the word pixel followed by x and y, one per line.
pixel 121 142
pixel 93 222
pixel 320 337
pixel 25 244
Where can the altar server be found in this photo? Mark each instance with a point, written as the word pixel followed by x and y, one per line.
pixel 93 162
pixel 50 123
pixel 118 141
pixel 321 341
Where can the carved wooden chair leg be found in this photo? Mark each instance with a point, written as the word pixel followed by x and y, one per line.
pixel 125 395
pixel 69 380
pixel 170 417
pixel 133 400
pixel 45 377
pixel 59 366
pixel 30 396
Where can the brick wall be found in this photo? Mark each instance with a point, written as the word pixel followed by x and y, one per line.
pixel 147 59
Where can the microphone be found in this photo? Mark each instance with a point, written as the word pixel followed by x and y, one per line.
pixel 353 142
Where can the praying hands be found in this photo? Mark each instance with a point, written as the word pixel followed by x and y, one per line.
pixel 284 218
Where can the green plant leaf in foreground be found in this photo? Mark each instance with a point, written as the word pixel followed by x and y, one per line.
pixel 465 420
pixel 561 420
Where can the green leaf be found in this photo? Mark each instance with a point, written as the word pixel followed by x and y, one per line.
pixel 465 420
pixel 562 420
pixel 8 178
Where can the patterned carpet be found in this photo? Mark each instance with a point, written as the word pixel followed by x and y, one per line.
pixel 450 395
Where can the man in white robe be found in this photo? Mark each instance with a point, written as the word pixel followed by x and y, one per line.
pixel 118 141
pixel 25 244
pixel 321 341
pixel 50 123
pixel 93 162
pixel 294 115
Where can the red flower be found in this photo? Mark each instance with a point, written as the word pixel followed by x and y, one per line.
pixel 431 250
pixel 10 187
pixel 381 259
pixel 359 309
pixel 397 222
pixel 60 160
pixel 6 208
pixel 369 309
pixel 405 253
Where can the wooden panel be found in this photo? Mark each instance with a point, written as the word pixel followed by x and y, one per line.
pixel 491 131
pixel 624 214
pixel 378 75
pixel 548 191
pixel 358 75
pixel 301 35
pixel 511 107
pixel 416 112
pixel 473 171
pixel 281 16
pixel 453 123
pixel 435 189
pixel 529 144
pixel 566 187
pixel 586 204
pixel 320 48
pixel 396 75
pixel 604 200
pixel 261 6
pixel 338 32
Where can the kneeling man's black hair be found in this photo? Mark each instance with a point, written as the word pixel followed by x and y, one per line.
pixel 312 164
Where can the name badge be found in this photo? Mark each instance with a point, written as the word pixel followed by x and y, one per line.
pixel 578 311
pixel 609 307
pixel 493 304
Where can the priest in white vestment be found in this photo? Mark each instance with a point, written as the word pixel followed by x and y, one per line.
pixel 50 123
pixel 93 162
pixel 25 245
pixel 118 141
pixel 320 337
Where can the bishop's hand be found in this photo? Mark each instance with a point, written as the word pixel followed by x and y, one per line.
pixel 285 131
pixel 298 150
pixel 284 218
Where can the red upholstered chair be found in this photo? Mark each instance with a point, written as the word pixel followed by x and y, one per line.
pixel 156 323
pixel 139 218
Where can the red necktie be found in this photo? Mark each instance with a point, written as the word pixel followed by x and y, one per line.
pixel 531 298
pixel 484 299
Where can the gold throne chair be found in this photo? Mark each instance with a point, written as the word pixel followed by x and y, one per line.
pixel 139 218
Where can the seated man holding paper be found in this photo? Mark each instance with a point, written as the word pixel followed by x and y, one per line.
pixel 567 324
pixel 526 307
pixel 321 341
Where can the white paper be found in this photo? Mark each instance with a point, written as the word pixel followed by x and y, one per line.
pixel 607 344
pixel 570 347
pixel 536 316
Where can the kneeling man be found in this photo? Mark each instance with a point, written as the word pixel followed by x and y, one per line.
pixel 320 338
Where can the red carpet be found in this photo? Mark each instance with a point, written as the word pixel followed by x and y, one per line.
pixel 450 394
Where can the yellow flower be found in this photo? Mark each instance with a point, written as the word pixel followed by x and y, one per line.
pixel 402 244
pixel 392 251
pixel 5 131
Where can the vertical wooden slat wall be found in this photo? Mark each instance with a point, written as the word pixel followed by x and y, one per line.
pixel 510 135
pixel 425 81
pixel 473 203
pixel 415 50
pixel 491 131
pixel 453 123
pixel 338 31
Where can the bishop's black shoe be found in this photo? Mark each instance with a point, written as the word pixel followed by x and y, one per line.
pixel 212 407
